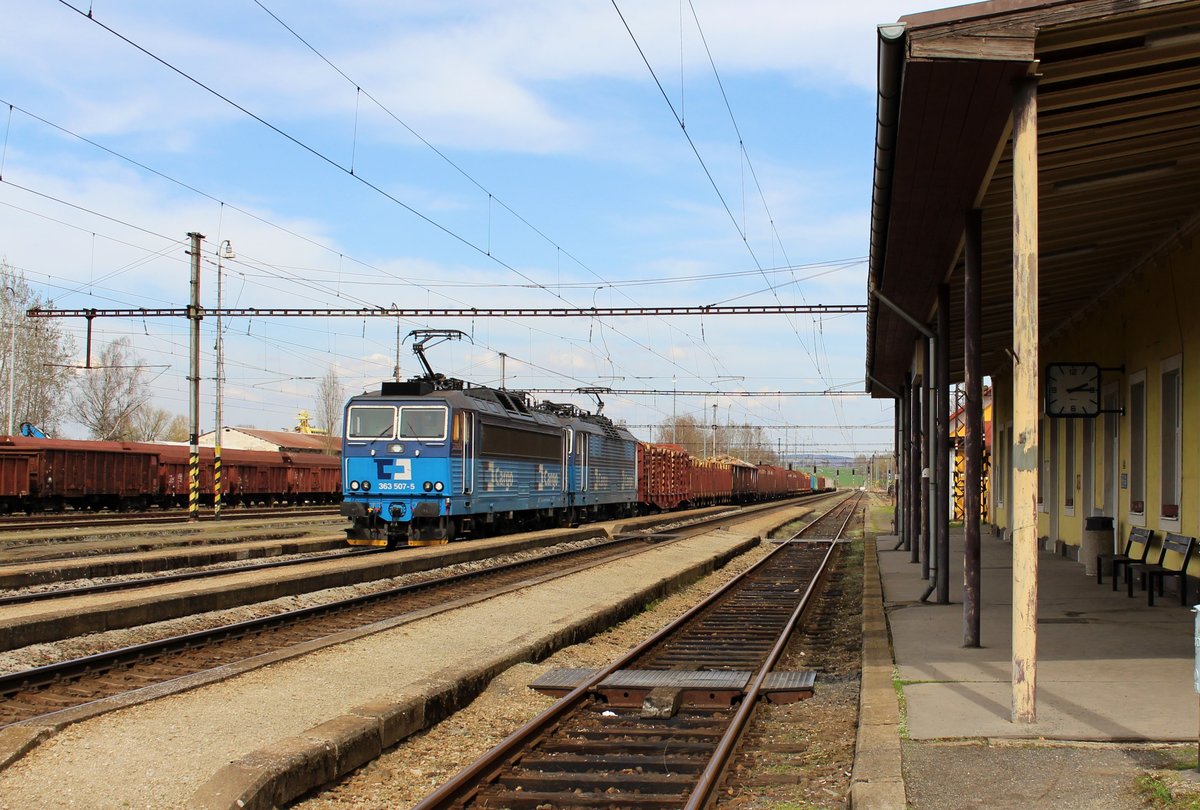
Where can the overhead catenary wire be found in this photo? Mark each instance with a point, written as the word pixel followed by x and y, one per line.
pixel 491 197
pixel 707 173
pixel 162 236
pixel 644 342
pixel 332 162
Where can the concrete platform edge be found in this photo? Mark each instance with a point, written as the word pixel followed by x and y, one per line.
pixel 135 610
pixel 877 779
pixel 284 771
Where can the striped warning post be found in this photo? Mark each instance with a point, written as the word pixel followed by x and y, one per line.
pixel 194 486
pixel 217 491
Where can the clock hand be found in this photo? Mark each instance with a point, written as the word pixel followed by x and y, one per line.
pixel 1084 387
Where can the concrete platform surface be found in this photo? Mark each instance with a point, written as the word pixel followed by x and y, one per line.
pixel 1114 695
pixel 1109 668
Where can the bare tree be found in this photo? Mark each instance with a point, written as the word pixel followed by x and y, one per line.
pixel 331 397
pixel 35 357
pixel 151 424
pixel 111 393
pixel 179 429
pixel 747 442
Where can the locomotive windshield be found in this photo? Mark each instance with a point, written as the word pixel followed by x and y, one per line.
pixel 373 422
pixel 422 423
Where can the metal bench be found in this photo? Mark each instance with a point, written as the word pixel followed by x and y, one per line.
pixel 1135 551
pixel 1173 557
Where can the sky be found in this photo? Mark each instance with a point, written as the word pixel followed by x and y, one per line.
pixel 494 153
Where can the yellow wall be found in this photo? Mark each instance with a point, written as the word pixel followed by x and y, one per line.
pixel 1150 317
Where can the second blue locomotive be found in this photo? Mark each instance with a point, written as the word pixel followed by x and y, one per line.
pixel 427 461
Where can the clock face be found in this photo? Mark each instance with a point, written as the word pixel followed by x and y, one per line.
pixel 1072 389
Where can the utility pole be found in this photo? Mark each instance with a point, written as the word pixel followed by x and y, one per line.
pixel 225 251
pixel 396 372
pixel 714 430
pixel 503 358
pixel 194 315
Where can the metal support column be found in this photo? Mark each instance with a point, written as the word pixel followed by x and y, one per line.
pixel 900 462
pixel 194 314
pixel 973 441
pixel 928 477
pixel 941 490
pixel 1025 402
pixel 915 481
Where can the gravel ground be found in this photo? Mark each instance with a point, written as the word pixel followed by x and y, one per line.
pixel 408 772
pixel 228 566
pixel 156 755
pixel 811 744
pixel 41 654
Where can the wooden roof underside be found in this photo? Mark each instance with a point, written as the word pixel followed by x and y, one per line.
pixel 1119 167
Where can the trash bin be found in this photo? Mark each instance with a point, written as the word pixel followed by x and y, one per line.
pixel 1097 539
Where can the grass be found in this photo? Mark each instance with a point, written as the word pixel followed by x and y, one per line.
pixel 898 685
pixel 1155 792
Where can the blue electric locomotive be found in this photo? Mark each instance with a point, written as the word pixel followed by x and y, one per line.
pixel 432 459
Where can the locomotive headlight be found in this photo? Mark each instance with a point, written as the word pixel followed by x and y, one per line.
pixel 366 486
pixel 354 486
pixel 396 448
pixel 439 486
pixel 427 486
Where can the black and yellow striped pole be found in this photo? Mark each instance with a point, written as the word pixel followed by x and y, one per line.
pixel 194 315
pixel 217 491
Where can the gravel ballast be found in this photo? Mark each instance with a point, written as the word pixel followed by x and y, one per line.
pixel 158 754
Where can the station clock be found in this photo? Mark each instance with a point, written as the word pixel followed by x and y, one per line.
pixel 1072 389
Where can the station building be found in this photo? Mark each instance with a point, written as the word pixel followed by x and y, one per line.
pixel 274 441
pixel 1035 213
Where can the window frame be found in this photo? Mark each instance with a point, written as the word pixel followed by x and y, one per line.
pixel 1069 471
pixel 1137 446
pixel 400 420
pixel 1171 366
pixel 372 407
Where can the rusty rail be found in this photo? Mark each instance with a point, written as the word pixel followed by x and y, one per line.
pixel 460 789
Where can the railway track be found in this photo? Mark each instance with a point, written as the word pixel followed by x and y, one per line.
pixel 657 728
pixel 182 576
pixel 71 520
pixel 35 692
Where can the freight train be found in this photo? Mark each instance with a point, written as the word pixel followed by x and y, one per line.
pixel 435 459
pixel 49 475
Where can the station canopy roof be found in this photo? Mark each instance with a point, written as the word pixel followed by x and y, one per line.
pixel 1118 160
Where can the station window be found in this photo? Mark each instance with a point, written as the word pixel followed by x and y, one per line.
pixel 1069 466
pixel 1172 434
pixel 1137 443
pixel 371 422
pixel 424 422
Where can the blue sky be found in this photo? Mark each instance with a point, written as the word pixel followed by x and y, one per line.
pixel 542 108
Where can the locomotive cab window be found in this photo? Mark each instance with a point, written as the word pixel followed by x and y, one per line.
pixel 371 422
pixel 424 423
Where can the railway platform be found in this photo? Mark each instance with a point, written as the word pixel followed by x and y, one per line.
pixel 1115 697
